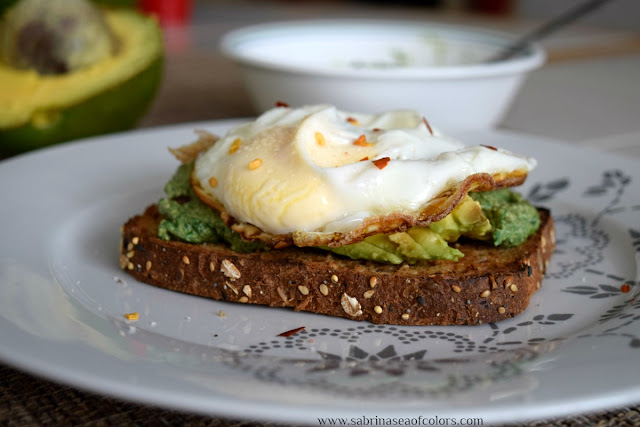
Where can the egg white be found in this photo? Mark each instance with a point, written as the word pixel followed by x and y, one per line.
pixel 277 174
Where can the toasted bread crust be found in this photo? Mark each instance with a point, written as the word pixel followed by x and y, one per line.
pixel 487 285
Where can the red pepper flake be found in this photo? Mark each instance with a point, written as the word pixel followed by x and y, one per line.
pixel 353 121
pixel 377 129
pixel 362 141
pixel 625 288
pixel 364 159
pixel 381 163
pixel 426 123
pixel 490 147
pixel 282 104
pixel 292 332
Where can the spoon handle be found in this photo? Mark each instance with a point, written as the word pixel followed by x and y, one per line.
pixel 548 28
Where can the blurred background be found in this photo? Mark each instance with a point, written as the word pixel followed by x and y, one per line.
pixel 602 47
pixel 621 15
pixel 595 58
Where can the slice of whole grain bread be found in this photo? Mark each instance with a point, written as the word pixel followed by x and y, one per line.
pixel 487 285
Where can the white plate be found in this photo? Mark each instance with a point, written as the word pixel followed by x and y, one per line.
pixel 63 297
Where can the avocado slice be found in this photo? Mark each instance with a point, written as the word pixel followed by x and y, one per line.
pixel 466 219
pixel 104 91
pixel 376 248
pixel 424 243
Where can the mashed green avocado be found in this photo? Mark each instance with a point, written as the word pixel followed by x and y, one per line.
pixel 187 218
pixel 502 215
pixel 512 218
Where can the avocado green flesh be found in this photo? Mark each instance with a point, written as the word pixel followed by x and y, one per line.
pixel 512 218
pixel 186 218
pixel 114 110
pixel 423 243
pixel 418 243
pixel 467 219
pixel 376 248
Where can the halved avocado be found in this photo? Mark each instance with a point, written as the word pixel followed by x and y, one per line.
pixel 108 96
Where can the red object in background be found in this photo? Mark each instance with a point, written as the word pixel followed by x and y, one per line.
pixel 174 17
pixel 492 7
pixel 169 13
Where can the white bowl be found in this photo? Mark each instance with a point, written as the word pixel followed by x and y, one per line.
pixel 378 65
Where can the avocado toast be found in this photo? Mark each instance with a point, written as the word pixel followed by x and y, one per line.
pixel 474 253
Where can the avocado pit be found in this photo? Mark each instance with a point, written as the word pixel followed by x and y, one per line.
pixel 55 37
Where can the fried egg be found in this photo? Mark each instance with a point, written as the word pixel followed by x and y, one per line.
pixel 317 174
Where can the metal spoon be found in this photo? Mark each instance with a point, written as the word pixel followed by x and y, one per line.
pixel 547 28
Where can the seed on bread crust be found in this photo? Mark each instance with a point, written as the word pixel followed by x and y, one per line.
pixel 229 269
pixel 247 290
pixel 283 296
pixel 233 288
pixel 350 305
pixel 507 282
pixel 324 289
